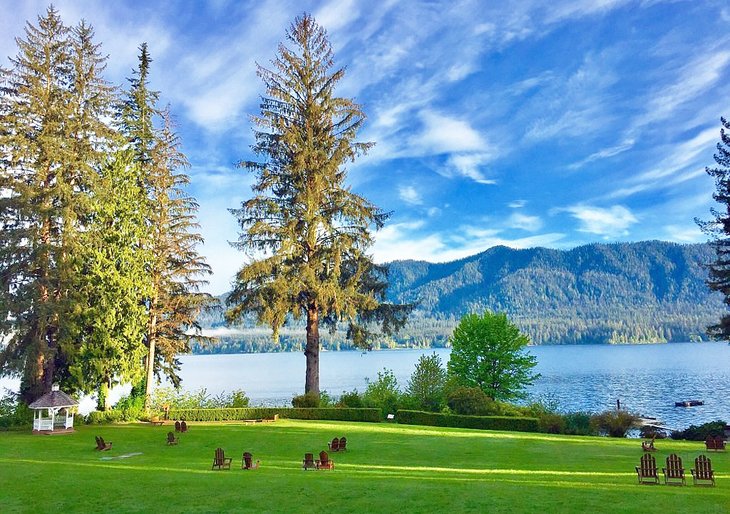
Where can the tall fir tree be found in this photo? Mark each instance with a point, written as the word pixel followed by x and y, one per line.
pixel 718 229
pixel 313 232
pixel 51 138
pixel 176 270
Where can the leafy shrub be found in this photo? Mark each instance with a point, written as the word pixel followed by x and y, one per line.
pixel 613 423
pixel 12 412
pixel 425 388
pixel 700 432
pixel 370 415
pixel 551 423
pixel 517 424
pixel 470 401
pixel 383 393
pixel 351 399
pixel 306 400
pixel 174 399
pixel 578 423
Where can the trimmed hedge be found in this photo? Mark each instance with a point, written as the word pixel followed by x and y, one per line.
pixel 337 414
pixel 435 419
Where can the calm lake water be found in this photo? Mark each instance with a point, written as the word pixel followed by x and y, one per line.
pixel 648 379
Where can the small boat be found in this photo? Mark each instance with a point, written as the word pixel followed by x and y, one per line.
pixel 689 403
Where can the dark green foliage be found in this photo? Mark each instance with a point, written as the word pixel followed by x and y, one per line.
pixel 718 228
pixel 613 423
pixel 369 415
pixel 14 413
pixel 306 400
pixel 352 400
pixel 700 432
pixel 427 383
pixel 488 352
pixel 383 393
pixel 577 423
pixel 471 401
pixel 515 424
pixel 313 231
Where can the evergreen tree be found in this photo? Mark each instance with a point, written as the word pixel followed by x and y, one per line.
pixel 312 230
pixel 51 141
pixel 176 270
pixel 718 229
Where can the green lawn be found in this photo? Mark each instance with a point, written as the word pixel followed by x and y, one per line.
pixel 387 468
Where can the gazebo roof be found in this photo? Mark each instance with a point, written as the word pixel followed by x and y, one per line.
pixel 53 399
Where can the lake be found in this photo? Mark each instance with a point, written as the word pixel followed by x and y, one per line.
pixel 647 379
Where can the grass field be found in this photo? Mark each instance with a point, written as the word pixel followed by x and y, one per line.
pixel 387 468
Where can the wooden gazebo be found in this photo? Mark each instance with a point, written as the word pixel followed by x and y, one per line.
pixel 53 413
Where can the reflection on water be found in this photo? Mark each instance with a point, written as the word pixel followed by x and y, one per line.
pixel 647 379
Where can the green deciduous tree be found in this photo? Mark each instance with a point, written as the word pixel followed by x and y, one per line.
pixel 426 385
pixel 306 232
pixel 718 228
pixel 488 352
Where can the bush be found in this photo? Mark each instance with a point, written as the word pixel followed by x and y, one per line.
pixel 470 401
pixel 369 415
pixel 551 423
pixel 578 423
pixel 13 413
pixel 383 393
pixel 200 399
pixel 425 388
pixel 306 400
pixel 352 400
pixel 700 432
pixel 613 423
pixel 516 424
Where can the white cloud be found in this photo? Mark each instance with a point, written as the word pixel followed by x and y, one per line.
pixel 517 204
pixel 409 195
pixel 337 14
pixel 524 222
pixel 442 134
pixel 605 153
pixel 684 234
pixel 468 165
pixel 611 222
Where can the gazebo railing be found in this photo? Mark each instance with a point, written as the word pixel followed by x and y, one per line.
pixel 43 424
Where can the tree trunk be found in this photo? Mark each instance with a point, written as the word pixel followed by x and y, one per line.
pixel 152 335
pixel 311 352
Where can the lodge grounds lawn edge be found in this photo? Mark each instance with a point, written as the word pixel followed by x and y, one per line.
pixel 387 468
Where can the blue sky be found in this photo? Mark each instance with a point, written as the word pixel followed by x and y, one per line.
pixel 523 123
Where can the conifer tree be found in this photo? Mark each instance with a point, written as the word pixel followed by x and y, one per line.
pixel 176 270
pixel 719 229
pixel 313 232
pixel 51 138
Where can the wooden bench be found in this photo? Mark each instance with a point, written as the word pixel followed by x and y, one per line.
pixel 703 474
pixel 646 470
pixel 674 472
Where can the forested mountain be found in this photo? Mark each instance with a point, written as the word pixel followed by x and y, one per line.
pixel 649 291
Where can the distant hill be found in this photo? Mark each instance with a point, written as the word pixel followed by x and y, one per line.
pixel 650 291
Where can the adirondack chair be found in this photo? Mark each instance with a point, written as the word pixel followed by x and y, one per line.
pixel 343 444
pixel 647 470
pixel 183 426
pixel 648 446
pixel 101 445
pixel 247 461
pixel 334 445
pixel 703 473
pixel 674 472
pixel 171 439
pixel 719 443
pixel 220 461
pixel 177 426
pixel 324 461
pixel 308 462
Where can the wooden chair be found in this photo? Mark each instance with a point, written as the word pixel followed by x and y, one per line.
pixel 183 426
pixel 308 462
pixel 647 470
pixel 334 445
pixel 220 461
pixel 674 472
pixel 101 445
pixel 324 461
pixel 648 446
pixel 703 473
pixel 343 444
pixel 177 426
pixel 171 439
pixel 247 461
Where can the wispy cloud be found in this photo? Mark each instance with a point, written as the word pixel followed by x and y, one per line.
pixel 409 195
pixel 524 222
pixel 605 153
pixel 606 222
